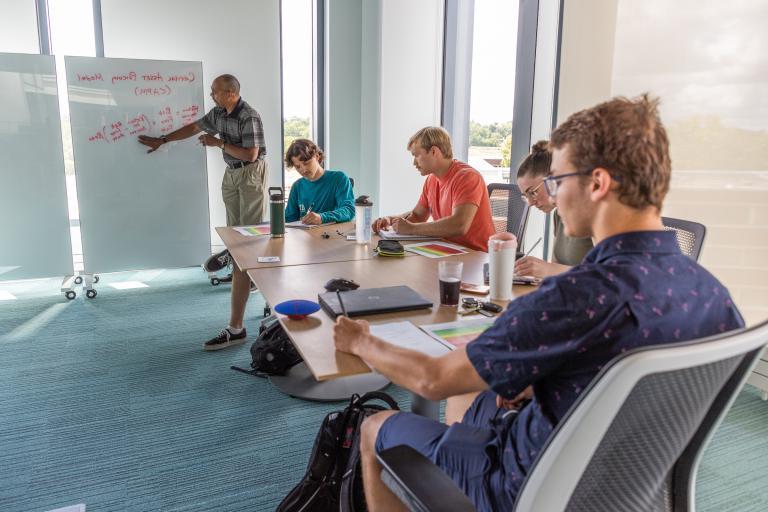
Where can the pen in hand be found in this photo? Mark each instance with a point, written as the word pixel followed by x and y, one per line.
pixel 341 303
pixel 532 247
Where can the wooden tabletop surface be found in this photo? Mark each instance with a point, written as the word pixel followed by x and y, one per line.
pixel 313 335
pixel 298 246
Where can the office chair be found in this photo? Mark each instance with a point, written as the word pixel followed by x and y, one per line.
pixel 690 235
pixel 508 209
pixel 632 441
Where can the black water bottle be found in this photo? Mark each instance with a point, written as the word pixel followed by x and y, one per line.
pixel 276 212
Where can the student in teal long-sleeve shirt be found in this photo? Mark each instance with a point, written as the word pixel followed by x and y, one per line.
pixel 320 196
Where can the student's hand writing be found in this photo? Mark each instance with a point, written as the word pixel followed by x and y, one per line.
pixel 348 334
pixel 503 403
pixel 381 223
pixel 152 142
pixel 531 266
pixel 210 140
pixel 312 218
pixel 402 226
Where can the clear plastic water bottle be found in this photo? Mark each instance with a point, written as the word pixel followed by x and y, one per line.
pixel 363 219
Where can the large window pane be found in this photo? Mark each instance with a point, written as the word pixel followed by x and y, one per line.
pixel 71 23
pixel 707 62
pixel 18 27
pixel 493 79
pixel 297 29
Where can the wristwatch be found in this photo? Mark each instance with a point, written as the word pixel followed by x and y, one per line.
pixel 164 139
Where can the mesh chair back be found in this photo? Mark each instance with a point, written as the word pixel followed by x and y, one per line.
pixel 633 439
pixel 690 235
pixel 508 209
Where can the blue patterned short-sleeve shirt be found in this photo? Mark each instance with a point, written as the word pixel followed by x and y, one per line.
pixel 632 290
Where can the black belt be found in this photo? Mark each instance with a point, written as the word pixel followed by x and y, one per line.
pixel 238 165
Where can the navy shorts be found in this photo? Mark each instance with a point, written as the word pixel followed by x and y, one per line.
pixel 459 450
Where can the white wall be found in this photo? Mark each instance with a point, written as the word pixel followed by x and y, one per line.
pixel 241 37
pixel 384 83
pixel 411 89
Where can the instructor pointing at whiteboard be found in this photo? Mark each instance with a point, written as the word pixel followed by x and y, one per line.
pixel 241 139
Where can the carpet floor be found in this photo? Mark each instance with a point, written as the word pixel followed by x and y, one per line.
pixel 113 403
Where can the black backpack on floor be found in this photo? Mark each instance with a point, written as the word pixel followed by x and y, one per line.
pixel 273 352
pixel 334 479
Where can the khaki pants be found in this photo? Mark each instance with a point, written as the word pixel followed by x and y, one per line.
pixel 243 190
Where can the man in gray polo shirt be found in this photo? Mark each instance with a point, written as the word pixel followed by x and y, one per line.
pixel 241 139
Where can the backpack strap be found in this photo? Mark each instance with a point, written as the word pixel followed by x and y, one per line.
pixel 379 395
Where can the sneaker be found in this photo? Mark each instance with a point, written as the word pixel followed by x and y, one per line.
pixel 217 261
pixel 224 339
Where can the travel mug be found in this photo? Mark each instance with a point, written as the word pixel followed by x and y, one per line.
pixel 363 219
pixel 501 265
pixel 276 212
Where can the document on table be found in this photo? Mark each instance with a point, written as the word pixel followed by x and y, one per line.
pixel 301 225
pixel 459 333
pixel 253 230
pixel 390 234
pixel 406 335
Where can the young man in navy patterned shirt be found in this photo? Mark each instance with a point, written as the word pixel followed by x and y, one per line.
pixel 610 173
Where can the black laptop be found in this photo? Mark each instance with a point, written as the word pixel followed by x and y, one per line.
pixel 370 301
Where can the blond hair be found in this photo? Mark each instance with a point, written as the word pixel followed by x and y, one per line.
pixel 432 136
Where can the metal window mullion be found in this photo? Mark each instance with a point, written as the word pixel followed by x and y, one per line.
pixel 98 29
pixel 43 27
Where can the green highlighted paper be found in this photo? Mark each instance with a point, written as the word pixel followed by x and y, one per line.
pixel 253 230
pixel 435 249
pixel 457 334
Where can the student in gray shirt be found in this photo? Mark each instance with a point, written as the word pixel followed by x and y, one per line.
pixel 568 251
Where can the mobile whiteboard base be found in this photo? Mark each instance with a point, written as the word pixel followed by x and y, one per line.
pixel 298 382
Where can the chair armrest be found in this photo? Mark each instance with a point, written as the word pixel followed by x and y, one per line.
pixel 420 485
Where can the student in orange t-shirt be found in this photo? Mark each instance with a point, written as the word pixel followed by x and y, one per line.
pixel 454 196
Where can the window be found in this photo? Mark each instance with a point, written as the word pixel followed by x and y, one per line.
pixel 18 27
pixel 492 96
pixel 298 81
pixel 72 33
pixel 708 64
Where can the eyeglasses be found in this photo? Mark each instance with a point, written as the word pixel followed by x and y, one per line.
pixel 552 183
pixel 530 194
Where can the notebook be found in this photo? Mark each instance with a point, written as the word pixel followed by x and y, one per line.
pixel 369 301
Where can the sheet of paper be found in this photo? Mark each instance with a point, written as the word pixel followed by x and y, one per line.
pixel 435 249
pixel 253 230
pixel 268 259
pixel 301 225
pixel 459 333
pixel 389 234
pixel 407 335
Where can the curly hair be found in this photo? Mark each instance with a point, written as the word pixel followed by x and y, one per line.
pixel 303 149
pixel 538 161
pixel 625 137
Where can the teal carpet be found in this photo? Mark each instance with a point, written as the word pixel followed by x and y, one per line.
pixel 111 402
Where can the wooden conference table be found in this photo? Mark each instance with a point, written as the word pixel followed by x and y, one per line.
pixel 308 261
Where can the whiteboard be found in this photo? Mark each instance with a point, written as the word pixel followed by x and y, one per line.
pixel 34 225
pixel 137 210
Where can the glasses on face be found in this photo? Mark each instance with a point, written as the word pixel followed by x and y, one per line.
pixel 530 194
pixel 552 183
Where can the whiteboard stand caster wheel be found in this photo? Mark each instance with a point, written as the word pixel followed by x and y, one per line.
pixel 95 279
pixel 70 295
pixel 79 280
pixel 215 281
pixel 90 294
